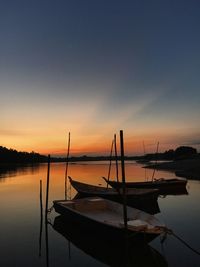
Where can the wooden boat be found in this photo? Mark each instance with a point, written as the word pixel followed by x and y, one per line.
pixel 110 252
pixel 106 217
pixel 89 190
pixel 144 199
pixel 165 186
pixel 150 206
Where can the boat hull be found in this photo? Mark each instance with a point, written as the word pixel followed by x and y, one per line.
pixel 143 199
pixel 171 186
pixel 109 231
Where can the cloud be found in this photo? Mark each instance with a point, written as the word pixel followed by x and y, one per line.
pixel 10 132
pixel 193 143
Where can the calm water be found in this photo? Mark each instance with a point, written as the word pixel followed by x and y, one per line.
pixel 21 231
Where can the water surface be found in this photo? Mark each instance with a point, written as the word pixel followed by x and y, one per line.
pixel 20 225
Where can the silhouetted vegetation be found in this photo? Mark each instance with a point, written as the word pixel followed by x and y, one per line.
pixel 9 156
pixel 185 152
pixel 90 158
pixel 182 152
pixel 13 156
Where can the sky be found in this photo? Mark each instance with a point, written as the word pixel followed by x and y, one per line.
pixel 95 67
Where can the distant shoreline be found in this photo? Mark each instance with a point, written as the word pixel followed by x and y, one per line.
pixel 63 160
pixel 187 168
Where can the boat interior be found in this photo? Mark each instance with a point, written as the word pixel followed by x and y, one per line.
pixel 109 212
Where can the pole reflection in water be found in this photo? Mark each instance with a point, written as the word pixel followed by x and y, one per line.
pixel 41 219
pixel 106 250
pixel 47 242
pixel 46 222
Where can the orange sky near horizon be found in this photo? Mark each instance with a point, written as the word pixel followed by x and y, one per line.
pixel 93 144
pixel 45 130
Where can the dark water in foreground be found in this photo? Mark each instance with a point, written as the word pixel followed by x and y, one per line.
pixel 20 223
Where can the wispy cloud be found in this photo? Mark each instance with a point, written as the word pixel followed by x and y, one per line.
pixel 11 132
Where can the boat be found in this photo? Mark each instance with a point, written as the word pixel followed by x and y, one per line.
pixel 106 217
pixel 165 186
pixel 109 252
pixel 144 199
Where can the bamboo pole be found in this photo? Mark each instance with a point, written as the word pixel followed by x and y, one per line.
pixel 47 186
pixel 123 178
pixel 116 158
pixel 46 212
pixel 155 162
pixel 144 148
pixel 41 204
pixel 109 169
pixel 66 166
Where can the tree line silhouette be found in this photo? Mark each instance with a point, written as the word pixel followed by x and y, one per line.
pixel 181 152
pixel 14 156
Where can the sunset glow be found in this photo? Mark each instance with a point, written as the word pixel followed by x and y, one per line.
pixel 93 71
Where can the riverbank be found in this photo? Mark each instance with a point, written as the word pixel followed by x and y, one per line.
pixel 188 168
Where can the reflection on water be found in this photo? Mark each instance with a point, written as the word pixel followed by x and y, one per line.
pixel 21 218
pixel 16 170
pixel 109 252
pixel 175 191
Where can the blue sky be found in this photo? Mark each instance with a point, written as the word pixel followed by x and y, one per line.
pixel 94 67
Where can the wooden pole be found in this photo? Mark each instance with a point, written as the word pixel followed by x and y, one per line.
pixel 123 178
pixel 66 167
pixel 47 186
pixel 41 204
pixel 46 212
pixel 109 169
pixel 116 158
pixel 144 148
pixel 155 162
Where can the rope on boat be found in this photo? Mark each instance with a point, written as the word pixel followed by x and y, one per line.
pixel 167 231
pixel 49 222
pixel 50 209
